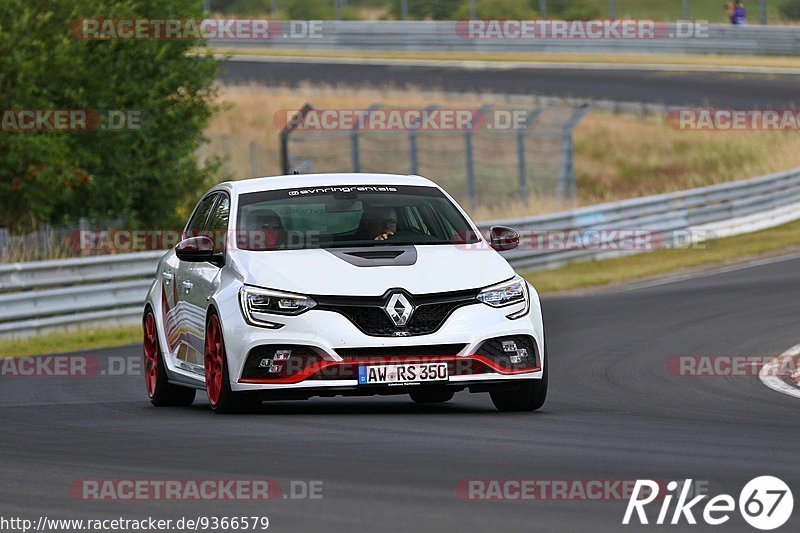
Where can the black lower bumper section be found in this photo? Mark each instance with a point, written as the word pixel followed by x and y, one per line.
pixel 330 392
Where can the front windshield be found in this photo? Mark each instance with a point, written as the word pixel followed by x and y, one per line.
pixel 349 216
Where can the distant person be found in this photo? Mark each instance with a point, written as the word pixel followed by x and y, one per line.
pixel 730 7
pixel 739 14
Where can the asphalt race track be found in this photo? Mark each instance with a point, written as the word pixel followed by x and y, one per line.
pixel 721 90
pixel 614 413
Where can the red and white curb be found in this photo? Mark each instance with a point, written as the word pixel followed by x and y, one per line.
pixel 787 384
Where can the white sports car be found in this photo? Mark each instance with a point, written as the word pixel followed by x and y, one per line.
pixel 340 284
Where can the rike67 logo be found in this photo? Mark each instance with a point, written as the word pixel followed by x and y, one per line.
pixel 765 503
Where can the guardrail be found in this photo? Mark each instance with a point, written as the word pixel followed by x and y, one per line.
pixel 448 36
pixel 55 294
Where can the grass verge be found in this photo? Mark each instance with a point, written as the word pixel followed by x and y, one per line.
pixel 72 341
pixel 718 252
pixel 587 58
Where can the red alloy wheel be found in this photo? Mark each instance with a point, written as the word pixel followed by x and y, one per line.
pixel 214 362
pixel 150 354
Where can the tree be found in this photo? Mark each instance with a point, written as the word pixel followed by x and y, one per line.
pixel 140 175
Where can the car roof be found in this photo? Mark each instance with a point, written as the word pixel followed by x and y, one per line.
pixel 319 180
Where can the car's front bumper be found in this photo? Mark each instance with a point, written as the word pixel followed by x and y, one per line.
pixel 327 331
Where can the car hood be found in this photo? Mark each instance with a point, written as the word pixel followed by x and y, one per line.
pixel 437 268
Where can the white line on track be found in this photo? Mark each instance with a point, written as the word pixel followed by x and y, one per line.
pixel 769 372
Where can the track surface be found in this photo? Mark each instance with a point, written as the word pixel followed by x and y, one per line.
pixel 390 465
pixel 740 91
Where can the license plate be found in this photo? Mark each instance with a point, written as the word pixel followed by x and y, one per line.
pixel 402 374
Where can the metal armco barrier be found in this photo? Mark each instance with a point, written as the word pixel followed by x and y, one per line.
pixel 442 36
pixel 45 295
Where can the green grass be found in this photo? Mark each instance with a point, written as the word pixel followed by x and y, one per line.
pixel 710 10
pixel 718 252
pixel 71 341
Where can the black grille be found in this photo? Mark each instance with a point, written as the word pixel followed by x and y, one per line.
pixel 301 356
pixel 368 315
pixel 400 352
pixel 494 349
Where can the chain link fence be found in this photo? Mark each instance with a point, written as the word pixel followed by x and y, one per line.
pixel 501 154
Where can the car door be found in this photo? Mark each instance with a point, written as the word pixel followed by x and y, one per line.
pixel 202 280
pixel 189 319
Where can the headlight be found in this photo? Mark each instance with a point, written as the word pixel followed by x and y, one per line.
pixel 260 305
pixel 509 292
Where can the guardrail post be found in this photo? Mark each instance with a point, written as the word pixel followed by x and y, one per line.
pixel 566 181
pixel 522 169
pixel 294 123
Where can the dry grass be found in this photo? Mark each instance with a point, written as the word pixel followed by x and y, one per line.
pixel 616 156
pixel 622 157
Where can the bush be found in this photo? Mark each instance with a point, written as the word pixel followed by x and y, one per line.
pixel 508 9
pixel 790 9
pixel 141 176
pixel 427 9
pixel 575 9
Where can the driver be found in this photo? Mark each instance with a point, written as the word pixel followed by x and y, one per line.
pixel 378 223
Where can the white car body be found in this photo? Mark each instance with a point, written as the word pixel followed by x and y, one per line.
pixel 184 293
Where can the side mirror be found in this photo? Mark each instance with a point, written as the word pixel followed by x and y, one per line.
pixel 503 239
pixel 198 250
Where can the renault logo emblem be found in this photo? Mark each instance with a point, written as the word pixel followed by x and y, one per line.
pixel 399 309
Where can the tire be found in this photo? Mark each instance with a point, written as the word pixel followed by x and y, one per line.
pixel 431 395
pixel 218 383
pixel 161 392
pixel 529 397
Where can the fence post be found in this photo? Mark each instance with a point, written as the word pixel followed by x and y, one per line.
pixel 522 169
pixel 470 161
pixel 226 151
pixel 254 159
pixel 762 11
pixel 355 149
pixel 543 9
pixel 686 10
pixel 44 241
pixel 4 241
pixel 296 121
pixel 566 181
pixel 404 9
pixel 612 10
pixel 413 156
